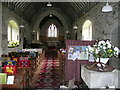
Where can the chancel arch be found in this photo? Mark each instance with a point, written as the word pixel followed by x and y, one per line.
pixel 37 19
pixel 51 30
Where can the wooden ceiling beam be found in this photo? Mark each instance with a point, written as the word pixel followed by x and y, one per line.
pixel 23 3
pixel 80 7
pixel 24 7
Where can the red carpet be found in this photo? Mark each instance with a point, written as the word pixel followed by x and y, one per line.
pixel 49 74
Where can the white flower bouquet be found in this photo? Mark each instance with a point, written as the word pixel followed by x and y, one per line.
pixel 103 49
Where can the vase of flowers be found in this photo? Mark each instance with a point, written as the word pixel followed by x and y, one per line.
pixel 102 50
pixel 103 60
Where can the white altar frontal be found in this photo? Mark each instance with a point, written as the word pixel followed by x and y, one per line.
pixel 94 79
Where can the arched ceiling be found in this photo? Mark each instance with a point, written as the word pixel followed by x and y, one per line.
pixel 28 9
pixel 49 18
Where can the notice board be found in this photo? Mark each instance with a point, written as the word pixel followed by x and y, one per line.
pixel 72 65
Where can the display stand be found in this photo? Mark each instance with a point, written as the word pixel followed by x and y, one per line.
pixel 69 64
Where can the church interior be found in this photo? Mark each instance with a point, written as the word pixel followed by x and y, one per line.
pixel 59 45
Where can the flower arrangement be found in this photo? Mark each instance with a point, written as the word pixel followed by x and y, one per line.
pixel 103 49
pixel 12 44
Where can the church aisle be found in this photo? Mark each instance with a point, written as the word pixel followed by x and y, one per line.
pixel 49 73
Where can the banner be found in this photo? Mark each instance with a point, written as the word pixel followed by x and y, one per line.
pixel 10 62
pixel 10 69
pixel 15 59
pixel 24 63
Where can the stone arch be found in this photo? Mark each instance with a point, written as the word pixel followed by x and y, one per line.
pixel 59 28
pixel 54 11
pixel 12 33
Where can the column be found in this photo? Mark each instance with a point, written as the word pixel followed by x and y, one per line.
pixel 0 28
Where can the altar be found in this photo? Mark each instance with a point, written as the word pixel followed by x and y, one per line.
pixel 95 79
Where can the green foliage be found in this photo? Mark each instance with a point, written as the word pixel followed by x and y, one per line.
pixel 12 44
pixel 103 49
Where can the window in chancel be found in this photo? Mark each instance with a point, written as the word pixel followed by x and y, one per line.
pixel 52 31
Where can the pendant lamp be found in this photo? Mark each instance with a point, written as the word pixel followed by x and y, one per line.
pixel 107 8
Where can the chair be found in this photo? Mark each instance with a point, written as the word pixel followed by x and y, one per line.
pixel 70 86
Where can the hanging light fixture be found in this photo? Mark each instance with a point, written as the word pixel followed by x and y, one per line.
pixel 67 32
pixel 49 4
pixel 107 8
pixel 50 15
pixel 75 26
pixel 21 26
